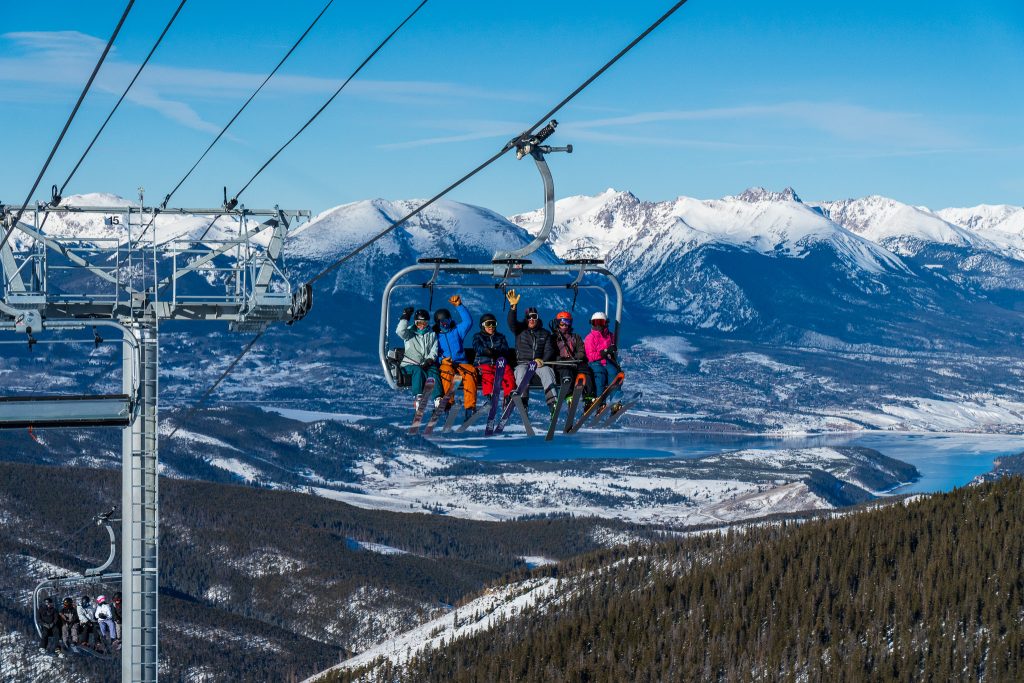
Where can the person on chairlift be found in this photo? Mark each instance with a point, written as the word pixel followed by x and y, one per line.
pixel 49 624
pixel 533 343
pixel 601 352
pixel 69 626
pixel 420 360
pixel 105 618
pixel 490 345
pixel 451 338
pixel 86 620
pixel 571 351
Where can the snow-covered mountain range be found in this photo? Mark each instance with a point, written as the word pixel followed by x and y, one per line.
pixel 768 265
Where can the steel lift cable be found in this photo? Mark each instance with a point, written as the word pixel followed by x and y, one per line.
pixel 213 387
pixel 234 199
pixel 509 145
pixel 124 94
pixel 230 204
pixel 228 125
pixel 67 124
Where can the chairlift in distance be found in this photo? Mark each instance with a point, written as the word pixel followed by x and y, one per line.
pixel 507 269
pixel 58 587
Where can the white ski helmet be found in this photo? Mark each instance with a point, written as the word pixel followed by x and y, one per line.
pixel 598 316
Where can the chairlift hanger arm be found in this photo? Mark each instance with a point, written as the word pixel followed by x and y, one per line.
pixel 531 145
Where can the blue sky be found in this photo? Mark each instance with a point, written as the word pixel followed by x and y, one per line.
pixel 920 101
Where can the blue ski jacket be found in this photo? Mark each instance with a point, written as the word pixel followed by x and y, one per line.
pixel 451 343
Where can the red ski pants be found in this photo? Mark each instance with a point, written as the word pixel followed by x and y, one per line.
pixel 468 372
pixel 508 380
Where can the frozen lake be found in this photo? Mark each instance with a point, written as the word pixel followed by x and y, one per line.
pixel 944 460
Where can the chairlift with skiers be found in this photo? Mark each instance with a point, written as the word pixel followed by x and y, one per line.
pixel 508 273
pixel 99 634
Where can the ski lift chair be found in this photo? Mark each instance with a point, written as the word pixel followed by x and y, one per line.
pixel 57 587
pixel 506 269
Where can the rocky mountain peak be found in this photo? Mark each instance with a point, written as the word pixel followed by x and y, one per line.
pixel 760 194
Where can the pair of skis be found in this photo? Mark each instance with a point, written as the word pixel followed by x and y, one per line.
pixel 496 420
pixel 603 413
pixel 445 404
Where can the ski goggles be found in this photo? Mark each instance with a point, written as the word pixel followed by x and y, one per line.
pixel 565 323
pixel 421 323
pixel 489 323
pixel 532 316
pixel 599 323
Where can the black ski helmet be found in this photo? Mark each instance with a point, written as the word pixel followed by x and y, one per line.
pixel 442 314
pixel 422 314
pixel 488 318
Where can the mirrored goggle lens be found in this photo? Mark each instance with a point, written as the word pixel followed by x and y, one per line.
pixel 490 323
pixel 532 316
pixel 564 323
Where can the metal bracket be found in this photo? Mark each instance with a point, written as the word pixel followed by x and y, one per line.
pixel 532 146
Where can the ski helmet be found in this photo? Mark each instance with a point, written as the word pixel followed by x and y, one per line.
pixel 442 314
pixel 422 314
pixel 564 315
pixel 100 600
pixel 599 316
pixel 488 318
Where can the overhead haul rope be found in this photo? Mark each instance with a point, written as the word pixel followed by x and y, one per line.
pixel 228 125
pixel 213 387
pixel 319 111
pixel 58 194
pixel 67 124
pixel 233 202
pixel 508 146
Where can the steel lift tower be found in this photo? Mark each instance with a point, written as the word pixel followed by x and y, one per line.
pixel 149 265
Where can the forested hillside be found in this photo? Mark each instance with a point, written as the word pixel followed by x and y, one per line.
pixel 265 584
pixel 930 590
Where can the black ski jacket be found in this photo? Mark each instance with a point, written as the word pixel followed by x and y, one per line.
pixel 530 344
pixel 47 616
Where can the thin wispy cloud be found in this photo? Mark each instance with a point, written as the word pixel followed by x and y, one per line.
pixel 848 122
pixel 63 59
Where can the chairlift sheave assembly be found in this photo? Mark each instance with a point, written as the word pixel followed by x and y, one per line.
pixel 511 269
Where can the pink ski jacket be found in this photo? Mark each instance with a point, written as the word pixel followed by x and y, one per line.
pixel 595 343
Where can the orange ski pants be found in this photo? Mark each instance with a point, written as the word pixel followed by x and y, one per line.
pixel 468 372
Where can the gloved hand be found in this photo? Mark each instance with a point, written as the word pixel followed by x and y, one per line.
pixel 455 300
pixel 604 353
pixel 407 312
pixel 427 363
pixel 492 353
pixel 540 362
pixel 512 297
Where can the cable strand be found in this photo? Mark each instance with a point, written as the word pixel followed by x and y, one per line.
pixel 67 124
pixel 508 146
pixel 330 99
pixel 213 387
pixel 228 125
